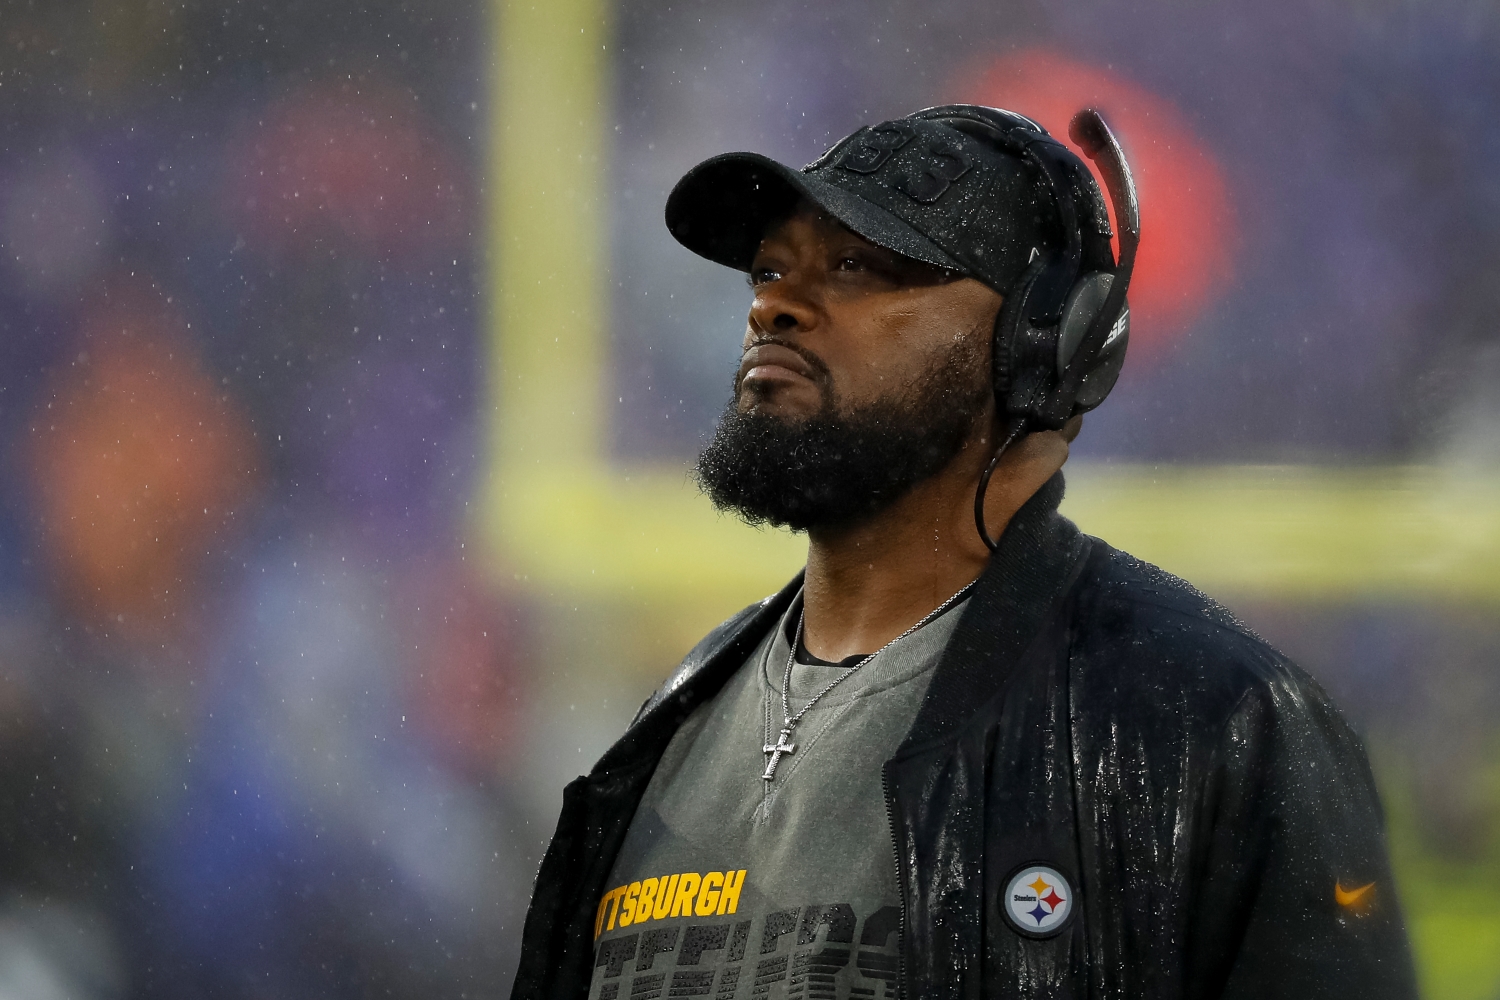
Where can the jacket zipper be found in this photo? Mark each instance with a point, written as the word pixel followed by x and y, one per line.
pixel 890 818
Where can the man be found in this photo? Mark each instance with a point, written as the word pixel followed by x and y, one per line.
pixel 934 764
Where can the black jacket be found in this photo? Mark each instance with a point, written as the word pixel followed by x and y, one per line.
pixel 1095 714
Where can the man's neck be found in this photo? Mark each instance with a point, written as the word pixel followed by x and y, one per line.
pixel 869 582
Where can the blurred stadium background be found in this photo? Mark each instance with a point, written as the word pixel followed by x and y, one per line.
pixel 348 380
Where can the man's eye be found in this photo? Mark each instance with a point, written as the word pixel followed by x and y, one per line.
pixel 761 275
pixel 850 264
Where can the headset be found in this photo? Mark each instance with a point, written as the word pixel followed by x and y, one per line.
pixel 1060 336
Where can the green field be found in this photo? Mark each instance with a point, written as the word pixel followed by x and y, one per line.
pixel 1452 904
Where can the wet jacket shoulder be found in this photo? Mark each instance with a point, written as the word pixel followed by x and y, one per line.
pixel 1234 799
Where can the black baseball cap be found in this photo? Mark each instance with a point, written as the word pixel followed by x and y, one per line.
pixel 928 186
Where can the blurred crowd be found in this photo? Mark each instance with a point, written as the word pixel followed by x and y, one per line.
pixel 263 709
pixel 255 699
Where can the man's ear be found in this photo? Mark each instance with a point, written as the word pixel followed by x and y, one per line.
pixel 1071 428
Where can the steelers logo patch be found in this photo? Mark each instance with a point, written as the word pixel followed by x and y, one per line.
pixel 1038 900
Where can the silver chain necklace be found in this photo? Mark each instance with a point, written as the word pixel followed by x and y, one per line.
pixel 784 745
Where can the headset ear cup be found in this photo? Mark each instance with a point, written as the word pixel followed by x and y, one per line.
pixel 1010 354
pixel 1002 344
pixel 1105 371
pixel 1084 302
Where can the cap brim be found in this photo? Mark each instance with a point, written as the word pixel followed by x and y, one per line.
pixel 722 208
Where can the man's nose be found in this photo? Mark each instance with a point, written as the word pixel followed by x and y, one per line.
pixel 785 305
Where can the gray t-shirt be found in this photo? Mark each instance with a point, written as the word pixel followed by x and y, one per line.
pixel 728 885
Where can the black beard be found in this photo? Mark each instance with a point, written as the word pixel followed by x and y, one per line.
pixel 837 468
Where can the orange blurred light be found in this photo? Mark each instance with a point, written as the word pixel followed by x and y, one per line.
pixel 138 461
pixel 1188 228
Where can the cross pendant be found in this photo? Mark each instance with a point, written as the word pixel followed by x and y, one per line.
pixel 773 753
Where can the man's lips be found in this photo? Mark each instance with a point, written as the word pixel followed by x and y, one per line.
pixel 773 363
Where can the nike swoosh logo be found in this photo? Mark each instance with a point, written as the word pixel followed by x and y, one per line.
pixel 1351 897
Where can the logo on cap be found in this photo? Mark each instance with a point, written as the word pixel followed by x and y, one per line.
pixel 871 147
pixel 945 163
pixel 1038 900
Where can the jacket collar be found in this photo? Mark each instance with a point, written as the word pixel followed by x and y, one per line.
pixel 696 679
pixel 1039 556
